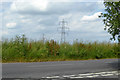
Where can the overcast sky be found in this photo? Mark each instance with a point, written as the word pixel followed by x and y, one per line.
pixel 36 17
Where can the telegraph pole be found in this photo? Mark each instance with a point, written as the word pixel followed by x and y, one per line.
pixel 43 38
pixel 63 29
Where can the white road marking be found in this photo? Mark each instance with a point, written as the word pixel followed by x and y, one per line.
pixel 97 73
pixel 107 74
pixel 87 75
pixel 53 77
pixel 68 75
pixel 103 72
pixel 112 72
pixel 92 76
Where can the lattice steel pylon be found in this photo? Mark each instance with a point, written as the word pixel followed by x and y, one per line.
pixel 63 29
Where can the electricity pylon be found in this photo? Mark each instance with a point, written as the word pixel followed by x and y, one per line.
pixel 63 29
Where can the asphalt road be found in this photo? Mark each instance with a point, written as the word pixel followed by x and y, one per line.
pixel 59 68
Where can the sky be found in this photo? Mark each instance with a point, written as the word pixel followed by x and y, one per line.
pixel 37 17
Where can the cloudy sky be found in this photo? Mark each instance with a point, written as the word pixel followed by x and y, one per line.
pixel 36 17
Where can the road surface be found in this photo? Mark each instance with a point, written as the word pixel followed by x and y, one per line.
pixel 104 68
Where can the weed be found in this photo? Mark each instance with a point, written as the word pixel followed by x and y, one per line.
pixel 19 49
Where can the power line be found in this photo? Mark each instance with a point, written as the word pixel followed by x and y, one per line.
pixel 63 29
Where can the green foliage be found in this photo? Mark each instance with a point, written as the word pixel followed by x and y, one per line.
pixel 20 49
pixel 52 48
pixel 112 18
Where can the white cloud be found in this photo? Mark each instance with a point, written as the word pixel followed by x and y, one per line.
pixel 32 5
pixel 4 32
pixel 40 4
pixel 21 16
pixel 34 18
pixel 59 0
pixel 39 28
pixel 76 24
pixel 92 17
pixel 25 20
pixel 11 25
pixel 66 16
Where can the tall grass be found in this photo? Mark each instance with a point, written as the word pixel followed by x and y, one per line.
pixel 19 49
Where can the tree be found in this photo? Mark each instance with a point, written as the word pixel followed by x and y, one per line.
pixel 111 19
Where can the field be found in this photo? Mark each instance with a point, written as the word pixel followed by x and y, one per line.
pixel 20 49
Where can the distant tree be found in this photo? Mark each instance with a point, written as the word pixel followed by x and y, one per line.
pixel 111 19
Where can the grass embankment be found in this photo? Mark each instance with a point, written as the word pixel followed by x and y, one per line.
pixel 20 50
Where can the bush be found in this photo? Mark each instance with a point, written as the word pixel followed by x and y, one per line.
pixel 20 49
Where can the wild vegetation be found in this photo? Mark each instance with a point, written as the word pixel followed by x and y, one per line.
pixel 111 18
pixel 19 49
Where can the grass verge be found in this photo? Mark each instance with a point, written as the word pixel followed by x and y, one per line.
pixel 19 49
